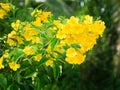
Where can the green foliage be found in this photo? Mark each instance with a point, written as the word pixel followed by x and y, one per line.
pixel 3 81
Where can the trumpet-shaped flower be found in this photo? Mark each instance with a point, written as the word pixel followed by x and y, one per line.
pixel 1 61
pixel 28 50
pixel 38 57
pixel 2 13
pixel 14 66
pixel 71 52
pixel 49 63
pixel 77 59
pixel 4 8
pixel 16 25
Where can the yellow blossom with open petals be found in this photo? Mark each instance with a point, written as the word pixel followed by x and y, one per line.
pixel 58 24
pixel 2 13
pixel 37 22
pixel 4 8
pixel 77 59
pixel 16 25
pixel 44 16
pixel 49 63
pixel 6 54
pixel 71 52
pixel 19 40
pixel 14 66
pixel 1 61
pixel 88 19
pixel 13 39
pixel 11 42
pixel 73 19
pixel 60 35
pixel 11 34
pixel 41 15
pixel 35 40
pixel 38 57
pixel 98 27
pixel 29 32
pixel 28 50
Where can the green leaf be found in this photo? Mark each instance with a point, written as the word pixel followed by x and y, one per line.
pixel 9 87
pixel 3 81
pixel 40 51
pixel 76 46
pixel 51 18
pixel 29 73
pixel 22 14
pixel 13 87
pixel 56 71
pixel 37 84
pixel 43 60
pixel 17 77
pixel 17 54
pixel 23 69
pixel 47 87
pixel 54 42
pixel 55 87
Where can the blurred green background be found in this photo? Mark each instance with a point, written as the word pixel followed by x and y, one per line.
pixel 101 70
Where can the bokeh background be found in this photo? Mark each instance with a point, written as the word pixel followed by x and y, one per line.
pixel 101 69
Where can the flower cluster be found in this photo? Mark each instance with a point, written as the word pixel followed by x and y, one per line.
pixel 4 8
pixel 47 40
pixel 83 33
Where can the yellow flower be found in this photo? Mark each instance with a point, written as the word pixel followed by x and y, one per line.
pixel 98 27
pixel 41 15
pixel 6 7
pixel 14 66
pixel 6 54
pixel 83 49
pixel 35 40
pixel 19 40
pixel 16 25
pixel 29 32
pixel 49 63
pixel 71 52
pixel 73 20
pixel 12 34
pixel 74 57
pixel 1 61
pixel 60 35
pixel 58 24
pixel 77 59
pixel 12 37
pixel 37 22
pixel 11 42
pixel 2 13
pixel 28 50
pixel 38 57
pixel 44 16
pixel 88 19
